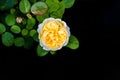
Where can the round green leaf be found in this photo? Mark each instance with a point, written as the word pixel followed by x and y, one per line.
pixel 19 41
pixel 32 32
pixel 12 11
pixel 69 3
pixel 24 32
pixel 10 19
pixel 30 23
pixel 39 8
pixel 15 29
pixel 73 42
pixel 6 4
pixel 7 39
pixel 41 52
pixel 2 28
pixel 24 6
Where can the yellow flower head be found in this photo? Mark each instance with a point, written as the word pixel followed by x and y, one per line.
pixel 53 34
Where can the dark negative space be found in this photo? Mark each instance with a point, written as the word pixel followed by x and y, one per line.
pixel 96 25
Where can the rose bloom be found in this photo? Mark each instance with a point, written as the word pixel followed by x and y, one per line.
pixel 53 34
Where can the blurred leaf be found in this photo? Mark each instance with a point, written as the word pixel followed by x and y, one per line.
pixel 39 8
pixel 19 41
pixel 2 28
pixel 32 32
pixel 24 6
pixel 32 1
pixel 41 52
pixel 6 4
pixel 12 11
pixel 43 0
pixel 29 15
pixel 53 52
pixel 7 39
pixel 24 32
pixel 73 42
pixel 69 3
pixel 41 18
pixel 53 5
pixel 10 19
pixel 15 29
pixel 30 23
pixel 60 11
pixel 15 2
pixel 35 37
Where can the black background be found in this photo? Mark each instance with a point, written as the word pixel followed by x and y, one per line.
pixel 96 25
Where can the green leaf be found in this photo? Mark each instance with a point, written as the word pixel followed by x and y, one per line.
pixel 60 11
pixel 24 6
pixel 32 32
pixel 15 29
pixel 12 11
pixel 39 8
pixel 7 39
pixel 6 4
pixel 41 52
pixel 53 5
pixel 73 42
pixel 2 28
pixel 69 3
pixel 24 32
pixel 41 18
pixel 10 19
pixel 53 52
pixel 32 1
pixel 19 41
pixel 15 2
pixel 35 37
pixel 30 23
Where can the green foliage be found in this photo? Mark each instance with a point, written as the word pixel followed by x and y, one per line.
pixel 7 39
pixel 24 6
pixel 69 3
pixel 10 19
pixel 21 18
pixel 6 4
pixel 73 42
pixel 32 1
pixel 19 41
pixel 2 28
pixel 32 32
pixel 39 8
pixel 15 29
pixel 40 51
pixel 35 37
pixel 41 18
pixel 30 23
pixel 59 12
pixel 12 11
pixel 53 5
pixel 53 52
pixel 24 32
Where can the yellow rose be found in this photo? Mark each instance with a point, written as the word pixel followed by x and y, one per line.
pixel 53 34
